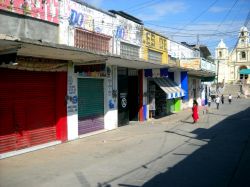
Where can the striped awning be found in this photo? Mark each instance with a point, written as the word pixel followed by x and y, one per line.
pixel 171 89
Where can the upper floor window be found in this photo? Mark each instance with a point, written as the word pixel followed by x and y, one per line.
pixel 243 55
pixel 91 41
pixel 220 54
pixel 129 50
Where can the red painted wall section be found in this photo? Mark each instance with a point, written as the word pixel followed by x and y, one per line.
pixel 141 95
pixel 61 110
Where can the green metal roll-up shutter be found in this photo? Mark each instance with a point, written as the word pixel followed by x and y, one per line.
pixel 90 105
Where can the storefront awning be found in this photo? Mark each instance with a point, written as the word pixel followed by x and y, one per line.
pixel 169 87
pixel 245 71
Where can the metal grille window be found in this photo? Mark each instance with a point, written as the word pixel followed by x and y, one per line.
pixel 128 50
pixel 91 41
pixel 154 56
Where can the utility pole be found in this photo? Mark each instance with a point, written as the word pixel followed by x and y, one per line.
pixel 198 40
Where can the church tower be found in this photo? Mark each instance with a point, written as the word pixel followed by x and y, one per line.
pixel 242 54
pixel 243 41
pixel 221 56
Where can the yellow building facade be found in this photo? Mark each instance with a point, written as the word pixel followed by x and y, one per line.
pixel 154 47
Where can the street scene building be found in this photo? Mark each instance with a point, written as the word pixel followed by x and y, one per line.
pixel 70 69
pixel 108 93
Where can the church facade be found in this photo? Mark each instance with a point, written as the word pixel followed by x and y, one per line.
pixel 231 64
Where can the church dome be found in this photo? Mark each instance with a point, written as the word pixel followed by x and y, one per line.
pixel 221 44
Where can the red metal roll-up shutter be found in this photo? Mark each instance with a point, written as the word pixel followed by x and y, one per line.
pixel 27 109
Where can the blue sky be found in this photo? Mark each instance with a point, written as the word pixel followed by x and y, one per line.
pixel 206 21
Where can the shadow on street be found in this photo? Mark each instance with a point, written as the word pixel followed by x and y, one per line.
pixel 215 164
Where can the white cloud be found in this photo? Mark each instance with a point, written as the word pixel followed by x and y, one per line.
pixel 163 9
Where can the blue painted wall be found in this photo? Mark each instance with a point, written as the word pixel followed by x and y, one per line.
pixel 184 84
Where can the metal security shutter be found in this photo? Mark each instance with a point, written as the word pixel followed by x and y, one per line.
pixel 154 56
pixel 90 105
pixel 128 50
pixel 27 109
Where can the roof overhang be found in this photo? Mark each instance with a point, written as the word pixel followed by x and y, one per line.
pixel 201 73
pixel 40 49
pixel 134 63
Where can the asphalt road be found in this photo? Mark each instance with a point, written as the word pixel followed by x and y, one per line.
pixel 170 152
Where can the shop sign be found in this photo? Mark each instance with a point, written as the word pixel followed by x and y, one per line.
pixel 190 63
pixel 96 70
pixel 155 41
pixel 40 9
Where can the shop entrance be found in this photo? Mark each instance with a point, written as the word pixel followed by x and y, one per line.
pixel 133 98
pixel 157 101
pixel 128 96
pixel 123 110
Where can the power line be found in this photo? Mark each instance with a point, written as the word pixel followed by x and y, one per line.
pixel 139 4
pixel 203 12
pixel 247 19
pixel 146 5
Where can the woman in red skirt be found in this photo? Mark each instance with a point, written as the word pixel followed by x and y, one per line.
pixel 195 114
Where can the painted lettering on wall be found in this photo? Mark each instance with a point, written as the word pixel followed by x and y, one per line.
pixel 72 99
pixel 155 41
pixel 40 9
pixel 128 31
pixel 81 20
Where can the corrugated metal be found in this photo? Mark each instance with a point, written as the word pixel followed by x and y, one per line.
pixel 90 105
pixel 27 109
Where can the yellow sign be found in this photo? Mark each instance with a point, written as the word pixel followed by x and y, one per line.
pixel 154 42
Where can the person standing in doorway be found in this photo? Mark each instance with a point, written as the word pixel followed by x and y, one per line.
pixel 217 101
pixel 222 99
pixel 195 114
pixel 209 101
pixel 230 97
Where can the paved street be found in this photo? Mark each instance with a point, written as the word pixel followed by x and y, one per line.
pixel 169 152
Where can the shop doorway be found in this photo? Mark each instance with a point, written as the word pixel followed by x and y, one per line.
pixel 128 96
pixel 123 109
pixel 133 98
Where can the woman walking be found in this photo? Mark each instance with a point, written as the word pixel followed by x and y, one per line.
pixel 195 114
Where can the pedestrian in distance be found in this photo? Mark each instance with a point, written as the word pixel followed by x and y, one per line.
pixel 222 99
pixel 209 101
pixel 195 114
pixel 238 96
pixel 230 97
pixel 217 101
